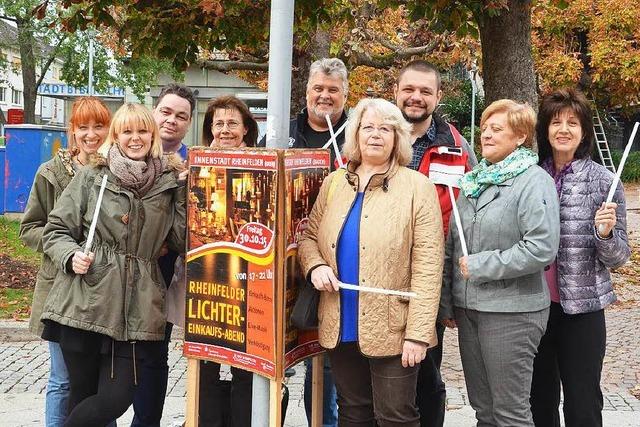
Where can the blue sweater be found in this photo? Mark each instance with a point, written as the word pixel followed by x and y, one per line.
pixel 348 256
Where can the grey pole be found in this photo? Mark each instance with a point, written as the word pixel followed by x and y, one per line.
pixel 280 51
pixel 90 87
pixel 474 90
pixel 278 106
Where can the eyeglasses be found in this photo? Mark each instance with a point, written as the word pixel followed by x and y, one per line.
pixel 231 125
pixel 382 130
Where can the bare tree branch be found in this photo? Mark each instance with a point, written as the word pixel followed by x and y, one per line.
pixel 397 53
pixel 234 65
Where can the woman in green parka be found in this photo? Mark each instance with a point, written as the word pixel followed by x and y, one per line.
pixel 107 308
pixel 88 127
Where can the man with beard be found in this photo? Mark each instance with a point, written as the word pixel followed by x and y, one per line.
pixel 441 153
pixel 327 89
pixel 172 114
pixel 326 93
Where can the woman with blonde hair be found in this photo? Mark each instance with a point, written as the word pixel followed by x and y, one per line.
pixel 87 130
pixel 107 308
pixel 377 224
pixel 496 294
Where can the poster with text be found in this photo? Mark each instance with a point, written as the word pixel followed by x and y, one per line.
pixel 304 172
pixel 230 314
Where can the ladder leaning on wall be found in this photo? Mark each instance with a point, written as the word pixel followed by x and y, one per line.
pixel 601 140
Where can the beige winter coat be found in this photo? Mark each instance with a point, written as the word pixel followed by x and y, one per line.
pixel 401 247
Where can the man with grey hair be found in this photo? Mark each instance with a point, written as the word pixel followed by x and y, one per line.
pixel 326 93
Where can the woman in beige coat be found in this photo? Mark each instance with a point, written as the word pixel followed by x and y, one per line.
pixel 377 224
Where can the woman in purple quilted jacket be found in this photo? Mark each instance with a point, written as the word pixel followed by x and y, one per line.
pixel 593 239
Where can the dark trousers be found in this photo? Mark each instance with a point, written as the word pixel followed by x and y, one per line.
pixel 570 353
pixel 373 391
pixel 153 375
pixel 431 393
pixel 148 401
pixel 219 406
pixel 102 388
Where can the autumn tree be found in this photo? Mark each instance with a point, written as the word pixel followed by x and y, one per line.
pixel 38 43
pixel 593 44
pixel 232 35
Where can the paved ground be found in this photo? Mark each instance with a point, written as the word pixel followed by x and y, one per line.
pixel 24 365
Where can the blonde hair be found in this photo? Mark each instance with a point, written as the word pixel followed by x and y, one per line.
pixel 84 110
pixel 391 115
pixel 520 117
pixel 129 116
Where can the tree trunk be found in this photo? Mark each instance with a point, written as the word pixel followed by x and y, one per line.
pixel 506 54
pixel 27 43
pixel 302 59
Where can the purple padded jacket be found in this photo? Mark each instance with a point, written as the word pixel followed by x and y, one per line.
pixel 584 259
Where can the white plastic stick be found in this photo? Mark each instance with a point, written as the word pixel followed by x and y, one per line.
pixel 334 142
pixel 338 132
pixel 625 154
pixel 456 215
pixel 623 160
pixel 94 222
pixel 376 290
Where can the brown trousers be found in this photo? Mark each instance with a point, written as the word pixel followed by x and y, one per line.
pixel 373 391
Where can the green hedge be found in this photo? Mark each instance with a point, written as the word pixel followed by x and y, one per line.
pixel 631 172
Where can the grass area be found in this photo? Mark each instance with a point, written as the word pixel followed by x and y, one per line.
pixel 11 245
pixel 15 303
pixel 17 274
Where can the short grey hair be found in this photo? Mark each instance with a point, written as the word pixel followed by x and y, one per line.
pixel 391 115
pixel 333 67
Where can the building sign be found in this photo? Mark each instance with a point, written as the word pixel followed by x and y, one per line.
pixel 15 116
pixel 55 89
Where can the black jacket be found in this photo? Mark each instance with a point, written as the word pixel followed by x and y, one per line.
pixel 296 134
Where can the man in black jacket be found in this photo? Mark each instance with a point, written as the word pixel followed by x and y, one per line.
pixel 327 89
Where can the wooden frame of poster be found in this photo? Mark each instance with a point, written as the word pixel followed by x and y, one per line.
pixel 246 209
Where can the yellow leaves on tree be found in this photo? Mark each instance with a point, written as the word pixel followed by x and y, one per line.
pixel 596 42
pixel 387 33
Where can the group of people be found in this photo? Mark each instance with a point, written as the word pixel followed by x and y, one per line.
pixel 523 275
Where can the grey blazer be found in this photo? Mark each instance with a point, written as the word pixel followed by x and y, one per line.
pixel 512 232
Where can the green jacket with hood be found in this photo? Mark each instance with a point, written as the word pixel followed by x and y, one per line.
pixel 123 294
pixel 51 179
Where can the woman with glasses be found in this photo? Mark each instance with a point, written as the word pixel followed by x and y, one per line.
pixel 377 225
pixel 228 123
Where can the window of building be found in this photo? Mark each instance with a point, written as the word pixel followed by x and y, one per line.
pixel 3 94
pixel 16 96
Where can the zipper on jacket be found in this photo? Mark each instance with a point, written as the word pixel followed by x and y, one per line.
pixel 469 251
pixel 364 196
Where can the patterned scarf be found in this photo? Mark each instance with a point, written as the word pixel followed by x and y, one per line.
pixel 485 174
pixel 135 175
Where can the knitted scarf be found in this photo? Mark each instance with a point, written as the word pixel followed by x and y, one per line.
pixel 137 176
pixel 485 174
